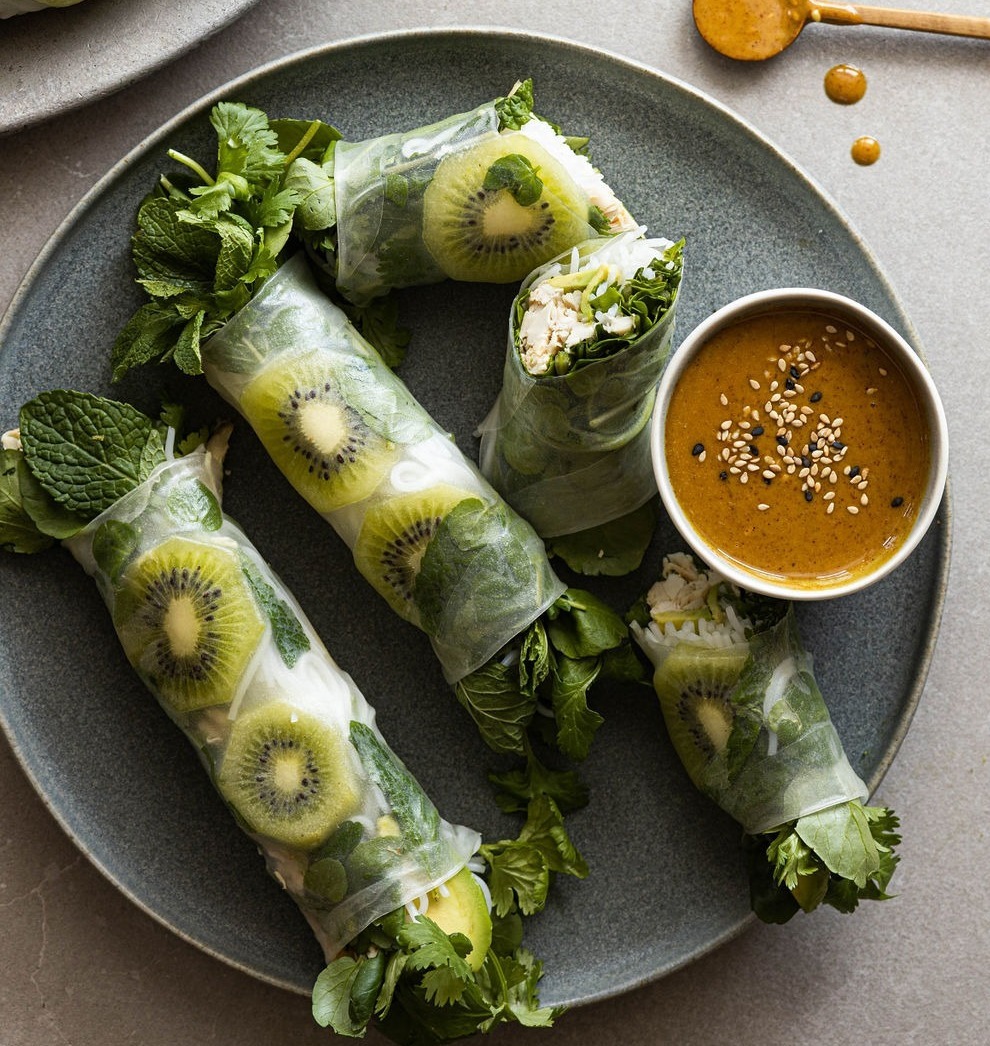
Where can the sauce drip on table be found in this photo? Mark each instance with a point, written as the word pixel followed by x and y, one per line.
pixel 845 84
pixel 865 150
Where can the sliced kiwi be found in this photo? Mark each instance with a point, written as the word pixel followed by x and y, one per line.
pixel 188 622
pixel 495 211
pixel 695 686
pixel 286 774
pixel 332 452
pixel 393 538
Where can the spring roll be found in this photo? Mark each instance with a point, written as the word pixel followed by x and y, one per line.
pixel 288 739
pixel 751 727
pixel 567 441
pixel 426 530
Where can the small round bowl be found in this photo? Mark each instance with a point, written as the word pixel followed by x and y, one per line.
pixel 845 317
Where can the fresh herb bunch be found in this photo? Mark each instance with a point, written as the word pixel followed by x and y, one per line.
pixel 205 242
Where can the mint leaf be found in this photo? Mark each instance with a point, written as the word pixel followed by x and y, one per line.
pixel 48 515
pixel 113 545
pixel 581 625
pixel 287 630
pixel 87 452
pixel 576 722
pixel 501 711
pixel 515 173
pixel 18 531
pixel 332 997
pixel 411 806
pixel 610 549
pixel 195 503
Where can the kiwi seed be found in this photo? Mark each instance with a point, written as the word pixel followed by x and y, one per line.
pixel 327 448
pixel 393 538
pixel 695 686
pixel 188 622
pixel 486 234
pixel 286 774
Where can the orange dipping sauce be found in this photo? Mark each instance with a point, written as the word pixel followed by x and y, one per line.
pixel 797 448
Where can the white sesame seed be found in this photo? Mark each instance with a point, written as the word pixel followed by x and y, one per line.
pixel 836 422
pixel 803 473
pixel 725 426
pixel 734 470
pixel 831 508
pixel 852 509
pixel 833 478
pixel 828 495
pixel 744 477
pixel 883 373
pixel 753 383
pixel 769 474
pixel 809 355
pixel 871 391
pixel 753 467
pixel 864 500
pixel 791 469
pixel 850 336
pixel 823 418
pixel 781 364
pixel 831 329
pixel 724 400
pixel 745 425
pixel 702 456
pixel 763 507
pixel 768 406
pixel 774 385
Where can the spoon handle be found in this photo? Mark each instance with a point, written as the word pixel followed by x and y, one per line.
pixel 895 18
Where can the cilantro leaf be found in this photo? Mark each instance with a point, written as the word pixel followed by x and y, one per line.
pixel 517 787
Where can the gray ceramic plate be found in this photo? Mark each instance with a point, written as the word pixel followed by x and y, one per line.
pixel 667 880
pixel 53 61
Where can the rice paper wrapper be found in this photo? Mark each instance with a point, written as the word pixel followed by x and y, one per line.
pixel 572 451
pixel 784 758
pixel 378 191
pixel 485 577
pixel 382 844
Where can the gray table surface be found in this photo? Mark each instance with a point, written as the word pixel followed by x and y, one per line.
pixel 80 964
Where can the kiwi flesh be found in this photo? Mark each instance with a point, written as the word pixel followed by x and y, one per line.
pixel 393 538
pixel 188 622
pixel 695 686
pixel 286 774
pixel 493 235
pixel 331 452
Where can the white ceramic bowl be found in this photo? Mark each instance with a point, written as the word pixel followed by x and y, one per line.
pixel 913 368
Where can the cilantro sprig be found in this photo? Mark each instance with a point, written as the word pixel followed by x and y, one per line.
pixel 412 980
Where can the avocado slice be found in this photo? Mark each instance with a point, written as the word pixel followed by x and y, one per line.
pixel 463 910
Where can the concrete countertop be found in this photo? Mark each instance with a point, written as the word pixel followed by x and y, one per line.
pixel 79 964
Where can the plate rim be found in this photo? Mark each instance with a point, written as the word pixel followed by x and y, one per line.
pixel 943 520
pixel 202 32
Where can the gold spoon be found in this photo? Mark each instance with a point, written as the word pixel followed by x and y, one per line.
pixel 752 30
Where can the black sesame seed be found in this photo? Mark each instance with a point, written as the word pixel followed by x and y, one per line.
pixel 758 431
pixel 795 373
pixel 837 444
pixel 854 472
pixel 723 475
pixel 809 495
pixel 897 502
pixel 815 397
pixel 806 461
pixel 766 481
pixel 754 450
pixel 781 441
pixel 789 384
pixel 698 448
